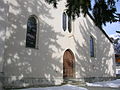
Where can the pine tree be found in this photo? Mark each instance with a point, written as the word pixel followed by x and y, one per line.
pixel 103 11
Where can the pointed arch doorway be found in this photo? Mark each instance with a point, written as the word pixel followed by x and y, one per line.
pixel 68 64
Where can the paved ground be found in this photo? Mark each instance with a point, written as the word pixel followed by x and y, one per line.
pixel 96 88
pixel 89 88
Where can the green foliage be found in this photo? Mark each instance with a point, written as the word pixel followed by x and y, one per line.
pixel 73 7
pixel 54 2
pixel 103 11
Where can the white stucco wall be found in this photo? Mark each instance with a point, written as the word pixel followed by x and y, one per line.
pixel 46 62
pixel 103 64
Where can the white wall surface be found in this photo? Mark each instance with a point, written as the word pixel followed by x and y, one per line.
pixel 103 64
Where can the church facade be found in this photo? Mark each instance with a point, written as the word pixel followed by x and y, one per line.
pixel 41 45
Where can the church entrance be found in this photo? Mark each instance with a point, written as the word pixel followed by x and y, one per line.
pixel 68 64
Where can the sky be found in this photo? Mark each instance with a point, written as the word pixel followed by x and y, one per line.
pixel 111 29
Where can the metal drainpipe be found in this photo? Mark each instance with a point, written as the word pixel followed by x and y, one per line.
pixel 6 28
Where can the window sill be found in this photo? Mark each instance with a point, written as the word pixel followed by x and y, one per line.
pixel 32 48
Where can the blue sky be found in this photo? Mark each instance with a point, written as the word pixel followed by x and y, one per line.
pixel 111 29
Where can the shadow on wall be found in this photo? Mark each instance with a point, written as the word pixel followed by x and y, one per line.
pixel 3 24
pixel 104 53
pixel 26 66
pixel 100 65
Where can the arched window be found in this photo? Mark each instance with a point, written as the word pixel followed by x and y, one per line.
pixel 31 32
pixel 64 21
pixel 69 24
pixel 92 53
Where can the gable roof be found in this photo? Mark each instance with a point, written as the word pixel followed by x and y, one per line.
pixel 100 27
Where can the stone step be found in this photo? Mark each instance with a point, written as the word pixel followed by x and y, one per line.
pixel 74 82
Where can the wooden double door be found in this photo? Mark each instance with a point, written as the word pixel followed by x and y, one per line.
pixel 68 64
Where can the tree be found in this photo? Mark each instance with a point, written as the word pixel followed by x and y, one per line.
pixel 103 11
pixel 116 42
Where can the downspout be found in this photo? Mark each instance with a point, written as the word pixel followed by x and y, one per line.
pixel 6 28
